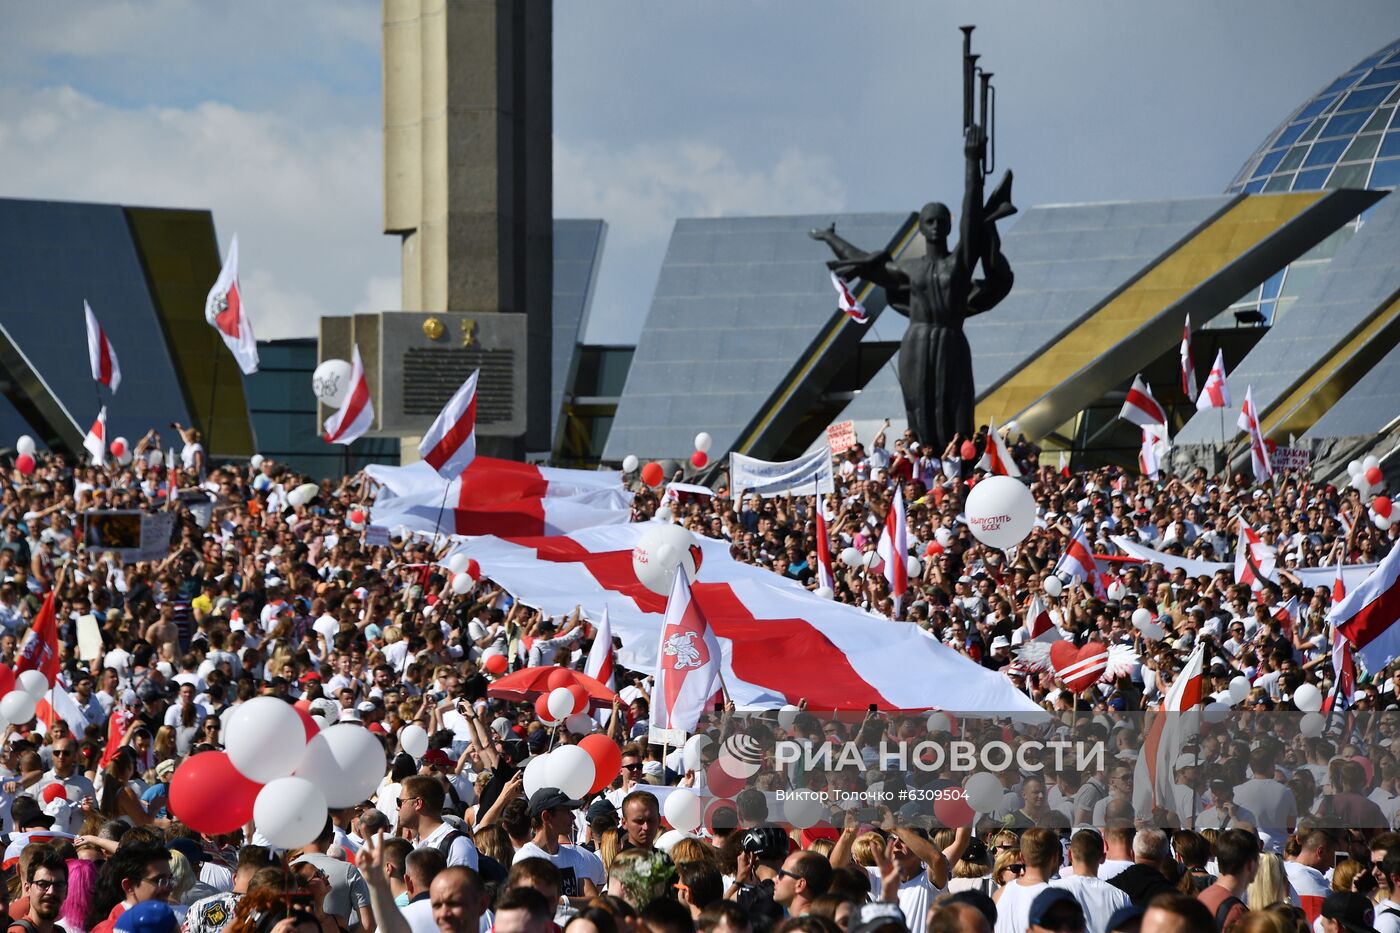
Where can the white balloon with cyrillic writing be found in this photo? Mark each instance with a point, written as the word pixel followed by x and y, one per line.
pixel 1000 512
pixel 290 812
pixel 570 769
pixel 331 381
pixel 659 552
pixel 682 809
pixel 264 739
pixel 345 761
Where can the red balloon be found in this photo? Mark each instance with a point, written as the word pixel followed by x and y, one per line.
pixel 208 794
pixel 561 678
pixel 953 812
pixel 496 664
pixel 117 448
pixel 580 698
pixel 25 464
pixel 357 516
pixel 307 723
pixel 699 459
pixel 1383 506
pixel 652 474
pixel 607 759
pixel 968 450
pixel 7 679
pixel 1374 476
pixel 720 782
pixel 542 710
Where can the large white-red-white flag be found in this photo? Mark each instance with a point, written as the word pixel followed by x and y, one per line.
pixel 996 459
pixel 1154 448
pixel 95 441
pixel 1367 615
pixel 1255 566
pixel 103 358
pixel 1168 734
pixel 450 444
pixel 1078 561
pixel 893 547
pixel 688 662
pixel 847 302
pixel 1142 408
pixel 1039 622
pixel 1258 450
pixel 356 413
pixel 825 577
pixel 1188 361
pixel 224 311
pixel 599 665
pixel 1216 392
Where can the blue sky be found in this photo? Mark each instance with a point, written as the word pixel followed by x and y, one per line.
pixel 269 113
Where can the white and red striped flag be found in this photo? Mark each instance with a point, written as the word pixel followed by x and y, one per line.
pixel 1189 687
pixel 450 444
pixel 356 414
pixel 996 459
pixel 1343 672
pixel 1258 450
pixel 825 577
pixel 1188 362
pixel 1038 621
pixel 59 704
pixel 599 665
pixel 1216 393
pixel 1171 731
pixel 893 548
pixel 1287 616
pixel 1064 464
pixel 847 302
pixel 1339 586
pixel 95 441
pixel 688 662
pixel 1153 447
pixel 1367 615
pixel 1141 408
pixel 103 358
pixel 224 311
pixel 1078 560
pixel 1254 565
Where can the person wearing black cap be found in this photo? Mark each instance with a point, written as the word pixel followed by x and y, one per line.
pixel 581 873
pixel 1347 912
pixel 1055 910
pixel 601 817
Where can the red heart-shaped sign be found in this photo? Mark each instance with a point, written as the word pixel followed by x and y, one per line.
pixel 1079 668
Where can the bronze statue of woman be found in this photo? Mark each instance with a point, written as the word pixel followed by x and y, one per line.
pixel 937 292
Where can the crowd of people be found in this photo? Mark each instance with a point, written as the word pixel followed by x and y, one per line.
pixel 1271 826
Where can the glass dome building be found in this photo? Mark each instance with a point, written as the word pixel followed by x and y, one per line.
pixel 1345 136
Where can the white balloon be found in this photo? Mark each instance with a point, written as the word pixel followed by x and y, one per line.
pixel 1216 712
pixel 458 562
pixel 1354 468
pixel 413 739
pixel 804 811
pixel 914 567
pixel 579 723
pixel 659 552
pixel 1053 586
pixel 256 461
pixel 1142 617
pixel 868 558
pixel 667 840
pixel 939 722
pixel 1239 689
pixel 33 683
pixel 330 382
pixel 984 792
pixel 787 715
pixel 535 774
pixel 825 592
pixel 303 494
pixel 703 442
pixel 1000 512
pixel 345 761
pixel 851 557
pixel 25 445
pixel 560 703
pixel 1308 698
pixel 570 769
pixel 461 583
pixel 1312 724
pixel 17 706
pixel 290 812
pixel 125 458
pixel 943 536
pixel 682 809
pixel 629 464
pixel 664 514
pixel 155 458
pixel 264 739
pixel 321 723
pixel 695 747
pixel 1116 592
pixel 1371 461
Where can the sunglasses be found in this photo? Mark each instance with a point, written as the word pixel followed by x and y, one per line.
pixel 1015 869
pixel 784 873
pixel 632 767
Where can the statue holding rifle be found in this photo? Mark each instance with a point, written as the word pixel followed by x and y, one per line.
pixel 938 291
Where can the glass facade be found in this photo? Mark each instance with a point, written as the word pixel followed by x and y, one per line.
pixel 1346 136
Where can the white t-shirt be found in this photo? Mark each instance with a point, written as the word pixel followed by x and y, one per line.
pixel 462 852
pixel 1387 923
pixel 1098 898
pixel 1272 803
pixel 575 865
pixel 914 897
pixel 1014 906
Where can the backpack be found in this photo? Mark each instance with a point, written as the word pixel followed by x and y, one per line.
pixel 444 845
pixel 1224 909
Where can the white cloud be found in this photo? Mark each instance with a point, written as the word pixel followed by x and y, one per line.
pixel 305 200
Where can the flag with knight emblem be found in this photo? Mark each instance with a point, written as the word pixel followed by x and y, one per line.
pixel 224 311
pixel 688 662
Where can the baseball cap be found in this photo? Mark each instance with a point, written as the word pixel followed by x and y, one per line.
pixel 190 850
pixel 1353 911
pixel 1047 900
pixel 881 916
pixel 601 810
pixel 310 677
pixel 436 756
pixel 1126 919
pixel 148 917
pixel 550 798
